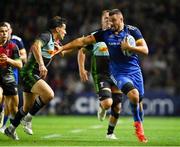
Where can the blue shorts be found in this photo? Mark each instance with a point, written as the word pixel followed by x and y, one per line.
pixel 136 79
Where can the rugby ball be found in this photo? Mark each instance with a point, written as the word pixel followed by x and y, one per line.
pixel 132 42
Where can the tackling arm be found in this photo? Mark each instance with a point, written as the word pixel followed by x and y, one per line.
pixel 79 42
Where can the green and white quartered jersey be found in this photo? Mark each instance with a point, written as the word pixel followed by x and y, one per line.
pixel 30 71
pixel 99 58
pixel 99 62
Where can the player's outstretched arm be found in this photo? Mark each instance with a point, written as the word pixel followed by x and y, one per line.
pixel 79 42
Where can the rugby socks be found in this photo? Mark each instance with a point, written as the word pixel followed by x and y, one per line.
pixel 5 120
pixel 19 115
pixel 38 104
pixel 141 114
pixel 135 112
pixel 111 128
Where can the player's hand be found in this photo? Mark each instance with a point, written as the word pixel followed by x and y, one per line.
pixel 3 58
pixel 43 71
pixel 57 46
pixel 84 75
pixel 125 45
pixel 58 49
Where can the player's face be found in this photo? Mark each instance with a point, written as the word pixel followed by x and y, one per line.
pixel 117 22
pixel 105 21
pixel 9 29
pixel 4 33
pixel 62 32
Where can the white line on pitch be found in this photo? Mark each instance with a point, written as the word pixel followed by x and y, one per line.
pixel 51 136
pixel 76 131
pixel 96 126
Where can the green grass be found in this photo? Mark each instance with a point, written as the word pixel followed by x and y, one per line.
pixel 88 131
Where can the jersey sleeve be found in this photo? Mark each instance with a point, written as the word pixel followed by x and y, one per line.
pixel 99 36
pixel 18 41
pixel 135 32
pixel 20 45
pixel 44 38
pixel 16 52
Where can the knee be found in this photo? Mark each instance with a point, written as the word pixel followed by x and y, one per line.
pixel 13 110
pixel 107 103
pixel 133 95
pixel 49 96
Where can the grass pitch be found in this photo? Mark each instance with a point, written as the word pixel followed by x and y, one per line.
pixel 88 131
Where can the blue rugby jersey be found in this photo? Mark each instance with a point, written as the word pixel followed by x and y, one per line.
pixel 120 62
pixel 18 41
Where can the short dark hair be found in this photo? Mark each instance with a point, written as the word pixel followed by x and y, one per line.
pixel 56 21
pixel 2 24
pixel 114 11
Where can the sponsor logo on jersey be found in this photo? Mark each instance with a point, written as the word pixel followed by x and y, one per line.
pixel 103 49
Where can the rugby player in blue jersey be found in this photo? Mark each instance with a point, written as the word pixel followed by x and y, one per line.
pixel 108 94
pixel 124 61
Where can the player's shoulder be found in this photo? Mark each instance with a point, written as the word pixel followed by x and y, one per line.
pixel 11 44
pixel 134 31
pixel 131 28
pixel 101 30
pixel 15 37
pixel 44 35
pixel 98 30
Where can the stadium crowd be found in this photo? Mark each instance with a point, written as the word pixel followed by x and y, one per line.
pixel 157 19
